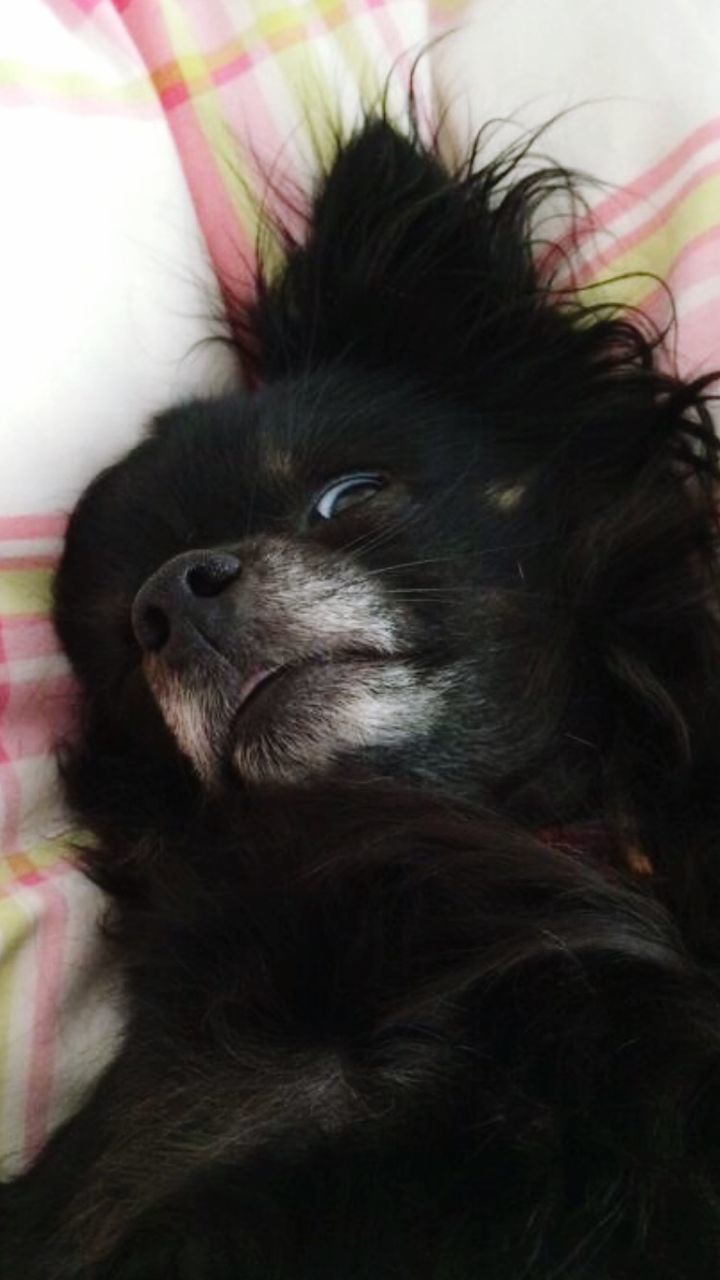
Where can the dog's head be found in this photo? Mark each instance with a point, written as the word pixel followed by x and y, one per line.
pixel 455 535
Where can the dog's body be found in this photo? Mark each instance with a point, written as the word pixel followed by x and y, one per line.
pixel 352 649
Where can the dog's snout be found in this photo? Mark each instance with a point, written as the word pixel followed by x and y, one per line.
pixel 176 606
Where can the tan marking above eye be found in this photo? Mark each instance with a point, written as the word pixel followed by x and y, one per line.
pixel 278 462
pixel 506 497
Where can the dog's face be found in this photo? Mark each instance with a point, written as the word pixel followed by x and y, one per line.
pixel 317 572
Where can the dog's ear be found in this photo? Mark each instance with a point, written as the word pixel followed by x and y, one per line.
pixel 433 275
pixel 407 266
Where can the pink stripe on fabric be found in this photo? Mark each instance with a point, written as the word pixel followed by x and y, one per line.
pixel 635 193
pixel 218 30
pixel 697 261
pixel 388 28
pixel 27 733
pixel 50 935
pixel 620 245
pixel 31 638
pixel 146 25
pixel 33 526
pixel 238 66
pixel 174 95
pixel 227 240
pixel 661 172
pixel 215 24
pixel 31 879
pixel 4 695
pixel 16 621
pixel 247 102
pixel 262 50
pixel 45 561
pixel 70 12
pixel 11 794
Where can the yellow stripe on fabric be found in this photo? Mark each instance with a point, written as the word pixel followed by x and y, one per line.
pixel 72 84
pixel 276 30
pixel 369 78
pixel 293 19
pixel 298 65
pixel 15 928
pixel 440 8
pixel 284 27
pixel 658 251
pixel 13 866
pixel 25 591
pixel 307 79
pixel 286 32
pixel 207 104
pixel 316 97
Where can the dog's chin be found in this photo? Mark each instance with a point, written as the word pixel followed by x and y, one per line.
pixel 289 724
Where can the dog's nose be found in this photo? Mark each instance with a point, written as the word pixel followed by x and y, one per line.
pixel 179 607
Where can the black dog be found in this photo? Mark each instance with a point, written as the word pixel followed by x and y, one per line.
pixel 401 749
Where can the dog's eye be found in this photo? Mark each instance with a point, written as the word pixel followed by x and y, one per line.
pixel 346 492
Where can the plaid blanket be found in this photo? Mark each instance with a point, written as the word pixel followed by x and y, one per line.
pixel 226 89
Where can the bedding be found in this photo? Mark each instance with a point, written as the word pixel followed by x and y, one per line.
pixel 134 136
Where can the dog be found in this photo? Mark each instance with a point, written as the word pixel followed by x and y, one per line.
pixel 400 747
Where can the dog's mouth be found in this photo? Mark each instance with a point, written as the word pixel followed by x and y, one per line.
pixel 256 683
pixel 284 722
pixel 292 721
pixel 264 686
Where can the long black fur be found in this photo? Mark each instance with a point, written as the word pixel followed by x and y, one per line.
pixel 385 1023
